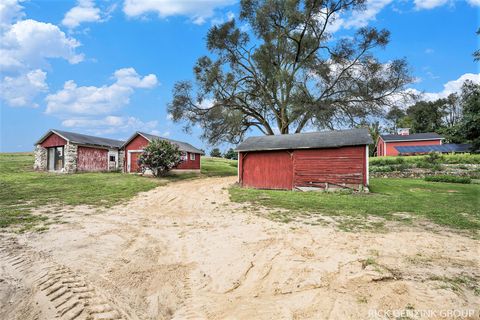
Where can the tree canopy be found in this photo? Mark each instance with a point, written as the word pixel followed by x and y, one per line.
pixel 426 116
pixel 456 117
pixel 216 153
pixel 231 154
pixel 286 72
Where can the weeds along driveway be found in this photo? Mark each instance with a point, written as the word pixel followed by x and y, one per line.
pixel 185 251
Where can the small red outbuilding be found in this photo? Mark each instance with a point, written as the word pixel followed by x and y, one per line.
pixel 387 143
pixel 333 159
pixel 134 146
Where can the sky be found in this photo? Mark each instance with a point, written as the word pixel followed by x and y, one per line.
pixel 107 67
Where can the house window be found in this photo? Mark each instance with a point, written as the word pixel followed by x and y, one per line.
pixel 112 159
pixel 192 156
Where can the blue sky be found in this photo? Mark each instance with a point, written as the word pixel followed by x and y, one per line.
pixel 108 67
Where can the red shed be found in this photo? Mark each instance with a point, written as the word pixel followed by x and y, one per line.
pixel 387 143
pixel 333 159
pixel 64 151
pixel 133 147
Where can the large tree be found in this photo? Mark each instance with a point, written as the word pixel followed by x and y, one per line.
pixel 395 117
pixel 285 72
pixel 427 116
pixel 469 125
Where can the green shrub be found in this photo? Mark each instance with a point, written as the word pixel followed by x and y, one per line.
pixel 462 158
pixel 436 167
pixel 381 169
pixel 453 158
pixel 160 156
pixel 387 161
pixel 449 179
pixel 429 165
pixel 423 164
pixel 403 167
pixel 433 157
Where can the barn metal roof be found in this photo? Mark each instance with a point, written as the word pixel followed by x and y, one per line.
pixel 443 148
pixel 310 140
pixel 411 137
pixel 183 146
pixel 83 139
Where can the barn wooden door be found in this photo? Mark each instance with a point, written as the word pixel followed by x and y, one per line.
pixel 132 161
pixel 268 170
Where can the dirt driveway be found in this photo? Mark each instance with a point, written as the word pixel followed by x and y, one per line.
pixel 183 251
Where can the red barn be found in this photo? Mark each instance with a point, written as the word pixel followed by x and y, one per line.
pixel 133 147
pixel 69 152
pixel 387 143
pixel 333 159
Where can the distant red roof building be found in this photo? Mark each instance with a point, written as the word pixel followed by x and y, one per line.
pixel 386 144
pixel 134 146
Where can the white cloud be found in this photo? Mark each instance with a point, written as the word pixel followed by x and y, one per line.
pixel 206 103
pixel 25 48
pixel 197 11
pixel 160 134
pixel 85 11
pixel 362 18
pixel 91 100
pixel 10 11
pixel 128 77
pixel 429 4
pixel 110 124
pixel 358 18
pixel 28 43
pixel 451 87
pixel 21 91
pixel 221 20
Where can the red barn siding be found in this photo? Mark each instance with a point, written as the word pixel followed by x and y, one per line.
pixel 134 167
pixel 301 168
pixel 53 140
pixel 92 159
pixel 139 143
pixel 388 148
pixel 380 143
pixel 190 164
pixel 267 170
pixel 315 167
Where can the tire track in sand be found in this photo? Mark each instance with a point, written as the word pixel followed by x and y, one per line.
pixel 60 292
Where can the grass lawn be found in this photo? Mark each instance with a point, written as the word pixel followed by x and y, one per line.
pixel 447 204
pixel 218 167
pixel 22 189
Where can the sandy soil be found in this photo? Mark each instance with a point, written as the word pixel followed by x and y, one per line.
pixel 183 251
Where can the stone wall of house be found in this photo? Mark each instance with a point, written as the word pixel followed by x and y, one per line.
pixel 70 158
pixel 40 163
pixel 121 159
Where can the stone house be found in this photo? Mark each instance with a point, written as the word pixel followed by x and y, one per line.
pixel 69 152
